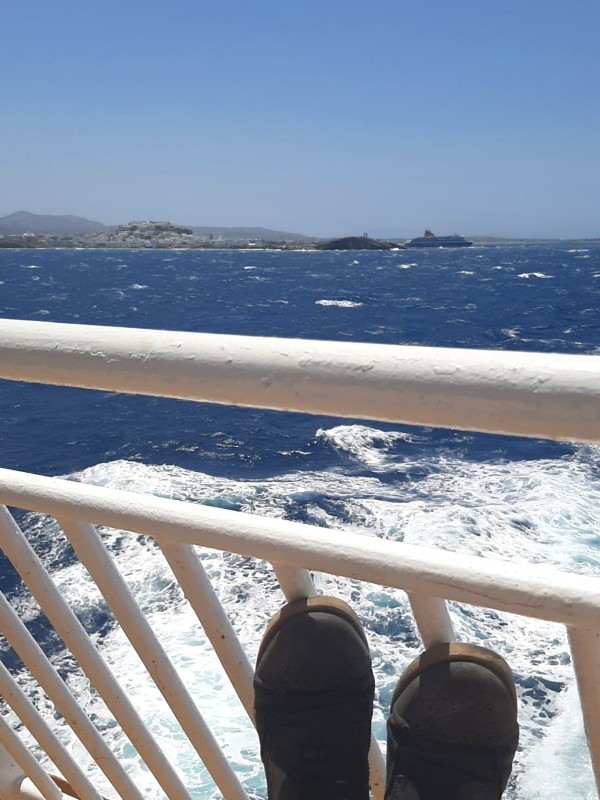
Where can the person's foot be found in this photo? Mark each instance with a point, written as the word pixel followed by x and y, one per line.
pixel 452 730
pixel 313 702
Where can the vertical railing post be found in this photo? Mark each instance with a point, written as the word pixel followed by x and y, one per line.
pixel 585 651
pixel 20 774
pixel 92 553
pixel 71 631
pixel 432 619
pixel 200 594
pixel 295 583
pixel 45 736
pixel 11 775
pixel 30 653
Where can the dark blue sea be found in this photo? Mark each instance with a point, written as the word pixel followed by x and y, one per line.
pixel 516 499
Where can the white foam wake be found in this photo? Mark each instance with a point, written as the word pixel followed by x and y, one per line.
pixel 541 511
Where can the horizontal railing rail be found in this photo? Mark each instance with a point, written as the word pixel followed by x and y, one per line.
pixel 544 395
pixel 551 396
pixel 527 589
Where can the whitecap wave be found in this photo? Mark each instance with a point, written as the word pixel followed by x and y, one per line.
pixel 511 333
pixel 338 303
pixel 368 446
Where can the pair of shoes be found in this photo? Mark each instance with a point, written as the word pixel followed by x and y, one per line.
pixel 452 730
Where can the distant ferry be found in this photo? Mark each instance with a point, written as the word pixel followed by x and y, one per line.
pixel 429 239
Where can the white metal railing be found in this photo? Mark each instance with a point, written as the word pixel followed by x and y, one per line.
pixel 552 396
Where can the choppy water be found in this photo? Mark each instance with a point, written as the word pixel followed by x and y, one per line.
pixel 516 499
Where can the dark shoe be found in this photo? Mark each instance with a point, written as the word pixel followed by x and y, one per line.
pixel 313 701
pixel 452 730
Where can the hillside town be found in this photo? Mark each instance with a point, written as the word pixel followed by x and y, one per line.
pixel 143 234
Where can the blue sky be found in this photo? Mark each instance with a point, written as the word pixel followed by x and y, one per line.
pixel 322 117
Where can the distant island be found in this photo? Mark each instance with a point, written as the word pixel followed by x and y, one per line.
pixel 357 243
pixel 24 229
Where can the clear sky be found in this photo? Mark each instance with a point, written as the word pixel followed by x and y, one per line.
pixel 321 117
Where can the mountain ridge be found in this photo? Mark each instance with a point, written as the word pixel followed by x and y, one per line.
pixel 21 222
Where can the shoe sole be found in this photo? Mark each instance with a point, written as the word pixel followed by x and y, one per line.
pixel 447 652
pixel 320 603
